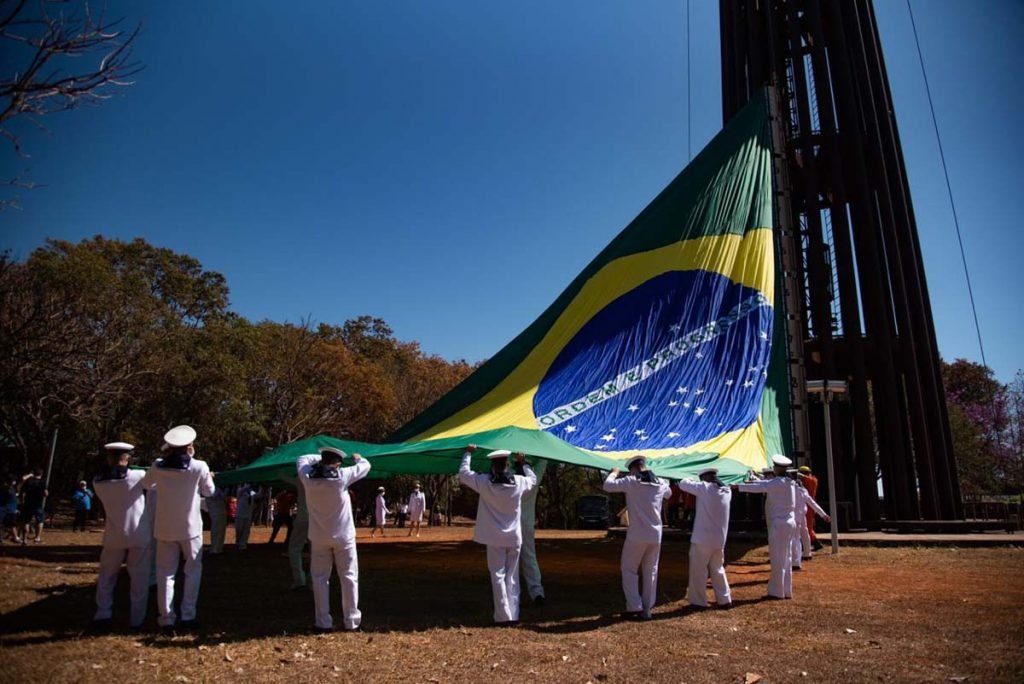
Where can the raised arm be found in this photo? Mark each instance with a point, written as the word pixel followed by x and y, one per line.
pixel 612 483
pixel 690 486
pixel 309 460
pixel 531 477
pixel 756 487
pixel 466 474
pixel 206 486
pixel 355 472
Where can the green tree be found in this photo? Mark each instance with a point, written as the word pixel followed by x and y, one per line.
pixel 977 417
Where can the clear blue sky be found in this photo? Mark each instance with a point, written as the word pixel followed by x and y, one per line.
pixel 450 166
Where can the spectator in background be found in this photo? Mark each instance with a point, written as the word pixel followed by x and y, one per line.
pixel 417 504
pixel 9 509
pixel 283 503
pixel 248 496
pixel 81 501
pixel 33 494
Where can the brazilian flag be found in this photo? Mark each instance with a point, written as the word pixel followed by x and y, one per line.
pixel 662 346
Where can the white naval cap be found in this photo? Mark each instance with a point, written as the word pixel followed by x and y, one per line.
pixel 500 453
pixel 781 461
pixel 380 489
pixel 712 471
pixel 180 436
pixel 333 451
pixel 119 446
pixel 638 458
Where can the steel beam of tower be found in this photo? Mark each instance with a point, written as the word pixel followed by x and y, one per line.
pixel 865 310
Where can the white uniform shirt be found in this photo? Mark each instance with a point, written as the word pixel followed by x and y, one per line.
pixel 499 508
pixel 643 501
pixel 177 507
pixel 380 507
pixel 129 521
pixel 328 501
pixel 711 522
pixel 417 504
pixel 781 500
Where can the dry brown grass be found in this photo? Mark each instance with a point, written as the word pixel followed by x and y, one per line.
pixel 867 615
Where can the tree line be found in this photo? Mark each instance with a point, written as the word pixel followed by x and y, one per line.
pixel 110 340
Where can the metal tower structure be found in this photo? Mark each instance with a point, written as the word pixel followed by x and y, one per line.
pixel 851 262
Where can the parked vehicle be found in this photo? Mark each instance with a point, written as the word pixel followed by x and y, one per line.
pixel 593 512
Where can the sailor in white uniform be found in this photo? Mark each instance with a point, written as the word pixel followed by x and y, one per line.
pixel 247 497
pixel 178 527
pixel 417 505
pixel 707 541
pixel 127 536
pixel 779 511
pixel 642 548
pixel 380 513
pixel 528 555
pixel 332 533
pixel 217 507
pixel 498 525
pixel 801 550
pixel 300 534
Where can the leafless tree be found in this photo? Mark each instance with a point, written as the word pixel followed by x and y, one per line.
pixel 61 55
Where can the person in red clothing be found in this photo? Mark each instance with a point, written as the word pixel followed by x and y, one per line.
pixel 283 503
pixel 810 483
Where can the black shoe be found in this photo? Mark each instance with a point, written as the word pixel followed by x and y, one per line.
pixel 632 615
pixel 188 625
pixel 505 623
pixel 817 545
pixel 353 629
pixel 538 601
pixel 322 630
pixel 101 625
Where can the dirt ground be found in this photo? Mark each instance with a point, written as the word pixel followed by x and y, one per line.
pixel 869 614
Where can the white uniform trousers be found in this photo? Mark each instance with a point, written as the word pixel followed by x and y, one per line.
pixel 167 555
pixel 531 569
pixel 503 565
pixel 138 560
pixel 218 524
pixel 300 530
pixel 802 549
pixel 242 527
pixel 705 558
pixel 322 559
pixel 640 574
pixel 780 548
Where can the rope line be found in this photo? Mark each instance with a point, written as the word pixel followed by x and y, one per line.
pixel 949 187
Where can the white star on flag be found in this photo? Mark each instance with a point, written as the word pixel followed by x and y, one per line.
pixel 764 335
pixel 633 407
pixel 686 404
pixel 673 403
pixel 673 434
pixel 643 437
pixel 748 384
pixel 675 328
pixel 683 390
pixel 612 430
pixel 699 410
pixel 607 438
pixel 700 391
pixel 570 428
pixel 754 369
pixel 600 446
pixel 728 383
pixel 639 432
pixel 700 355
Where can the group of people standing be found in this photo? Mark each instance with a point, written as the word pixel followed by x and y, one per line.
pixel 157 513
pixel 786 511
